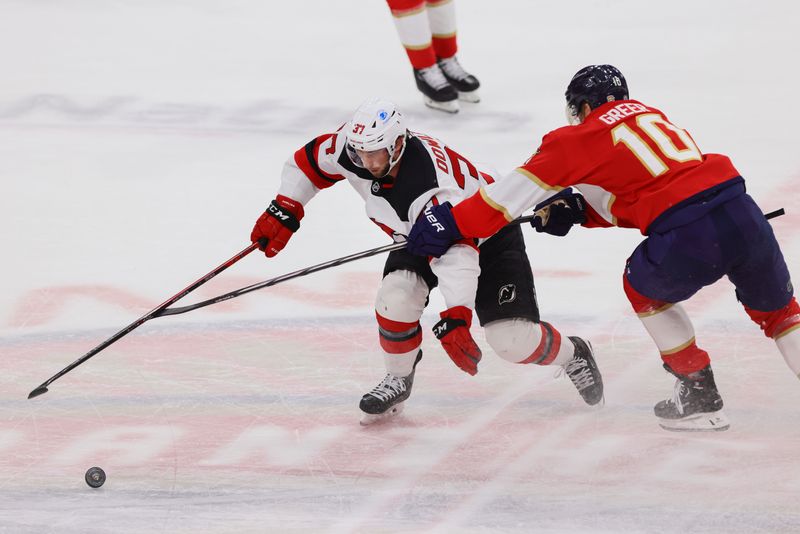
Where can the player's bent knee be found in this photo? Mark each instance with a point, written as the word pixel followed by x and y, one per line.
pixel 402 296
pixel 513 339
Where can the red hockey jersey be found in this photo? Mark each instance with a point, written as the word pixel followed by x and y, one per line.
pixel 627 159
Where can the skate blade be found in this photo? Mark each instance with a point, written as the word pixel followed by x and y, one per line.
pixel 449 107
pixel 469 96
pixel 372 418
pixel 702 422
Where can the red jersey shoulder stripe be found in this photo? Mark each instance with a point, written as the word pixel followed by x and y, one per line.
pixel 307 159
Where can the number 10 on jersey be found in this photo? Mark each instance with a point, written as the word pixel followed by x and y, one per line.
pixel 650 125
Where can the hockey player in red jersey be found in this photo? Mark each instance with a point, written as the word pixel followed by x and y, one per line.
pixel 427 30
pixel 399 174
pixel 632 168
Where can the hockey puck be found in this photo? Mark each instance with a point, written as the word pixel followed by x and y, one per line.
pixel 95 477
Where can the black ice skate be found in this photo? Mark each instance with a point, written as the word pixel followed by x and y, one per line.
pixel 436 90
pixel 465 83
pixel 696 405
pixel 387 398
pixel 584 373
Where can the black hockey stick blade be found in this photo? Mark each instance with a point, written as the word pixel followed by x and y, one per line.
pixel 41 390
pixel 776 213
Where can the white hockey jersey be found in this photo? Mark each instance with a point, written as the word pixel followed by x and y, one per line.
pixel 429 173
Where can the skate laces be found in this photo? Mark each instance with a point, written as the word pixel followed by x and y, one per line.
pixel 577 369
pixel 434 77
pixel 391 386
pixel 453 68
pixel 677 394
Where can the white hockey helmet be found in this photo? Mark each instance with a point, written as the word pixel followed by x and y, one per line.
pixel 376 125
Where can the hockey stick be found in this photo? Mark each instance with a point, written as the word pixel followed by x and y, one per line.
pixel 163 310
pixel 301 272
pixel 285 277
pixel 155 312
pixel 777 213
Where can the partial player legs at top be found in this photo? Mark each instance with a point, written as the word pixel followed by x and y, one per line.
pixel 427 30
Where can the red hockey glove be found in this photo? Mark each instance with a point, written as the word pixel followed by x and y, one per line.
pixel 453 332
pixel 276 225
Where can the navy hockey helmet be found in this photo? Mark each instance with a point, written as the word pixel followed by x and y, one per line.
pixel 595 85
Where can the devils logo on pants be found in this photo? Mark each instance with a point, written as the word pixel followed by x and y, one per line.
pixel 507 293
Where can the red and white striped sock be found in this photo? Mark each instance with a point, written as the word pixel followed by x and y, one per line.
pixel 411 21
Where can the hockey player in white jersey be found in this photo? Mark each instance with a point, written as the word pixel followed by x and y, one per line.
pixel 399 174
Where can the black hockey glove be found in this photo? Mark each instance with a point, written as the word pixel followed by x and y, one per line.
pixel 557 214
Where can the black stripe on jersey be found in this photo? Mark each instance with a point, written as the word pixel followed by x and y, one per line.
pixel 312 160
pixel 416 177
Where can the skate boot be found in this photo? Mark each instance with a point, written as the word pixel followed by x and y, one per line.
pixel 436 90
pixel 584 373
pixel 465 83
pixel 387 398
pixel 696 405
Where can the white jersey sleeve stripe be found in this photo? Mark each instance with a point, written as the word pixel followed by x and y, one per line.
pixel 600 200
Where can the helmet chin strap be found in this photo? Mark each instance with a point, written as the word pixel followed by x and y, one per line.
pixel 395 159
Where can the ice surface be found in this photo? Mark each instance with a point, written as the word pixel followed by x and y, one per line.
pixel 139 141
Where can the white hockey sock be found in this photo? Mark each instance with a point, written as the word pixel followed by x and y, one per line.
pixel 669 327
pixel 565 353
pixel 400 364
pixel 442 17
pixel 789 345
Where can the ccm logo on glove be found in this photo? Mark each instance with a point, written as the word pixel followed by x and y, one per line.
pixel 453 333
pixel 277 224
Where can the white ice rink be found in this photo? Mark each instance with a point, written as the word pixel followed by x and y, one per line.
pixel 139 141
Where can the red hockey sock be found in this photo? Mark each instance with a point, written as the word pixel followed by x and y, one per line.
pixel 397 337
pixel 687 360
pixel 548 347
pixel 779 322
pixel 445 46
